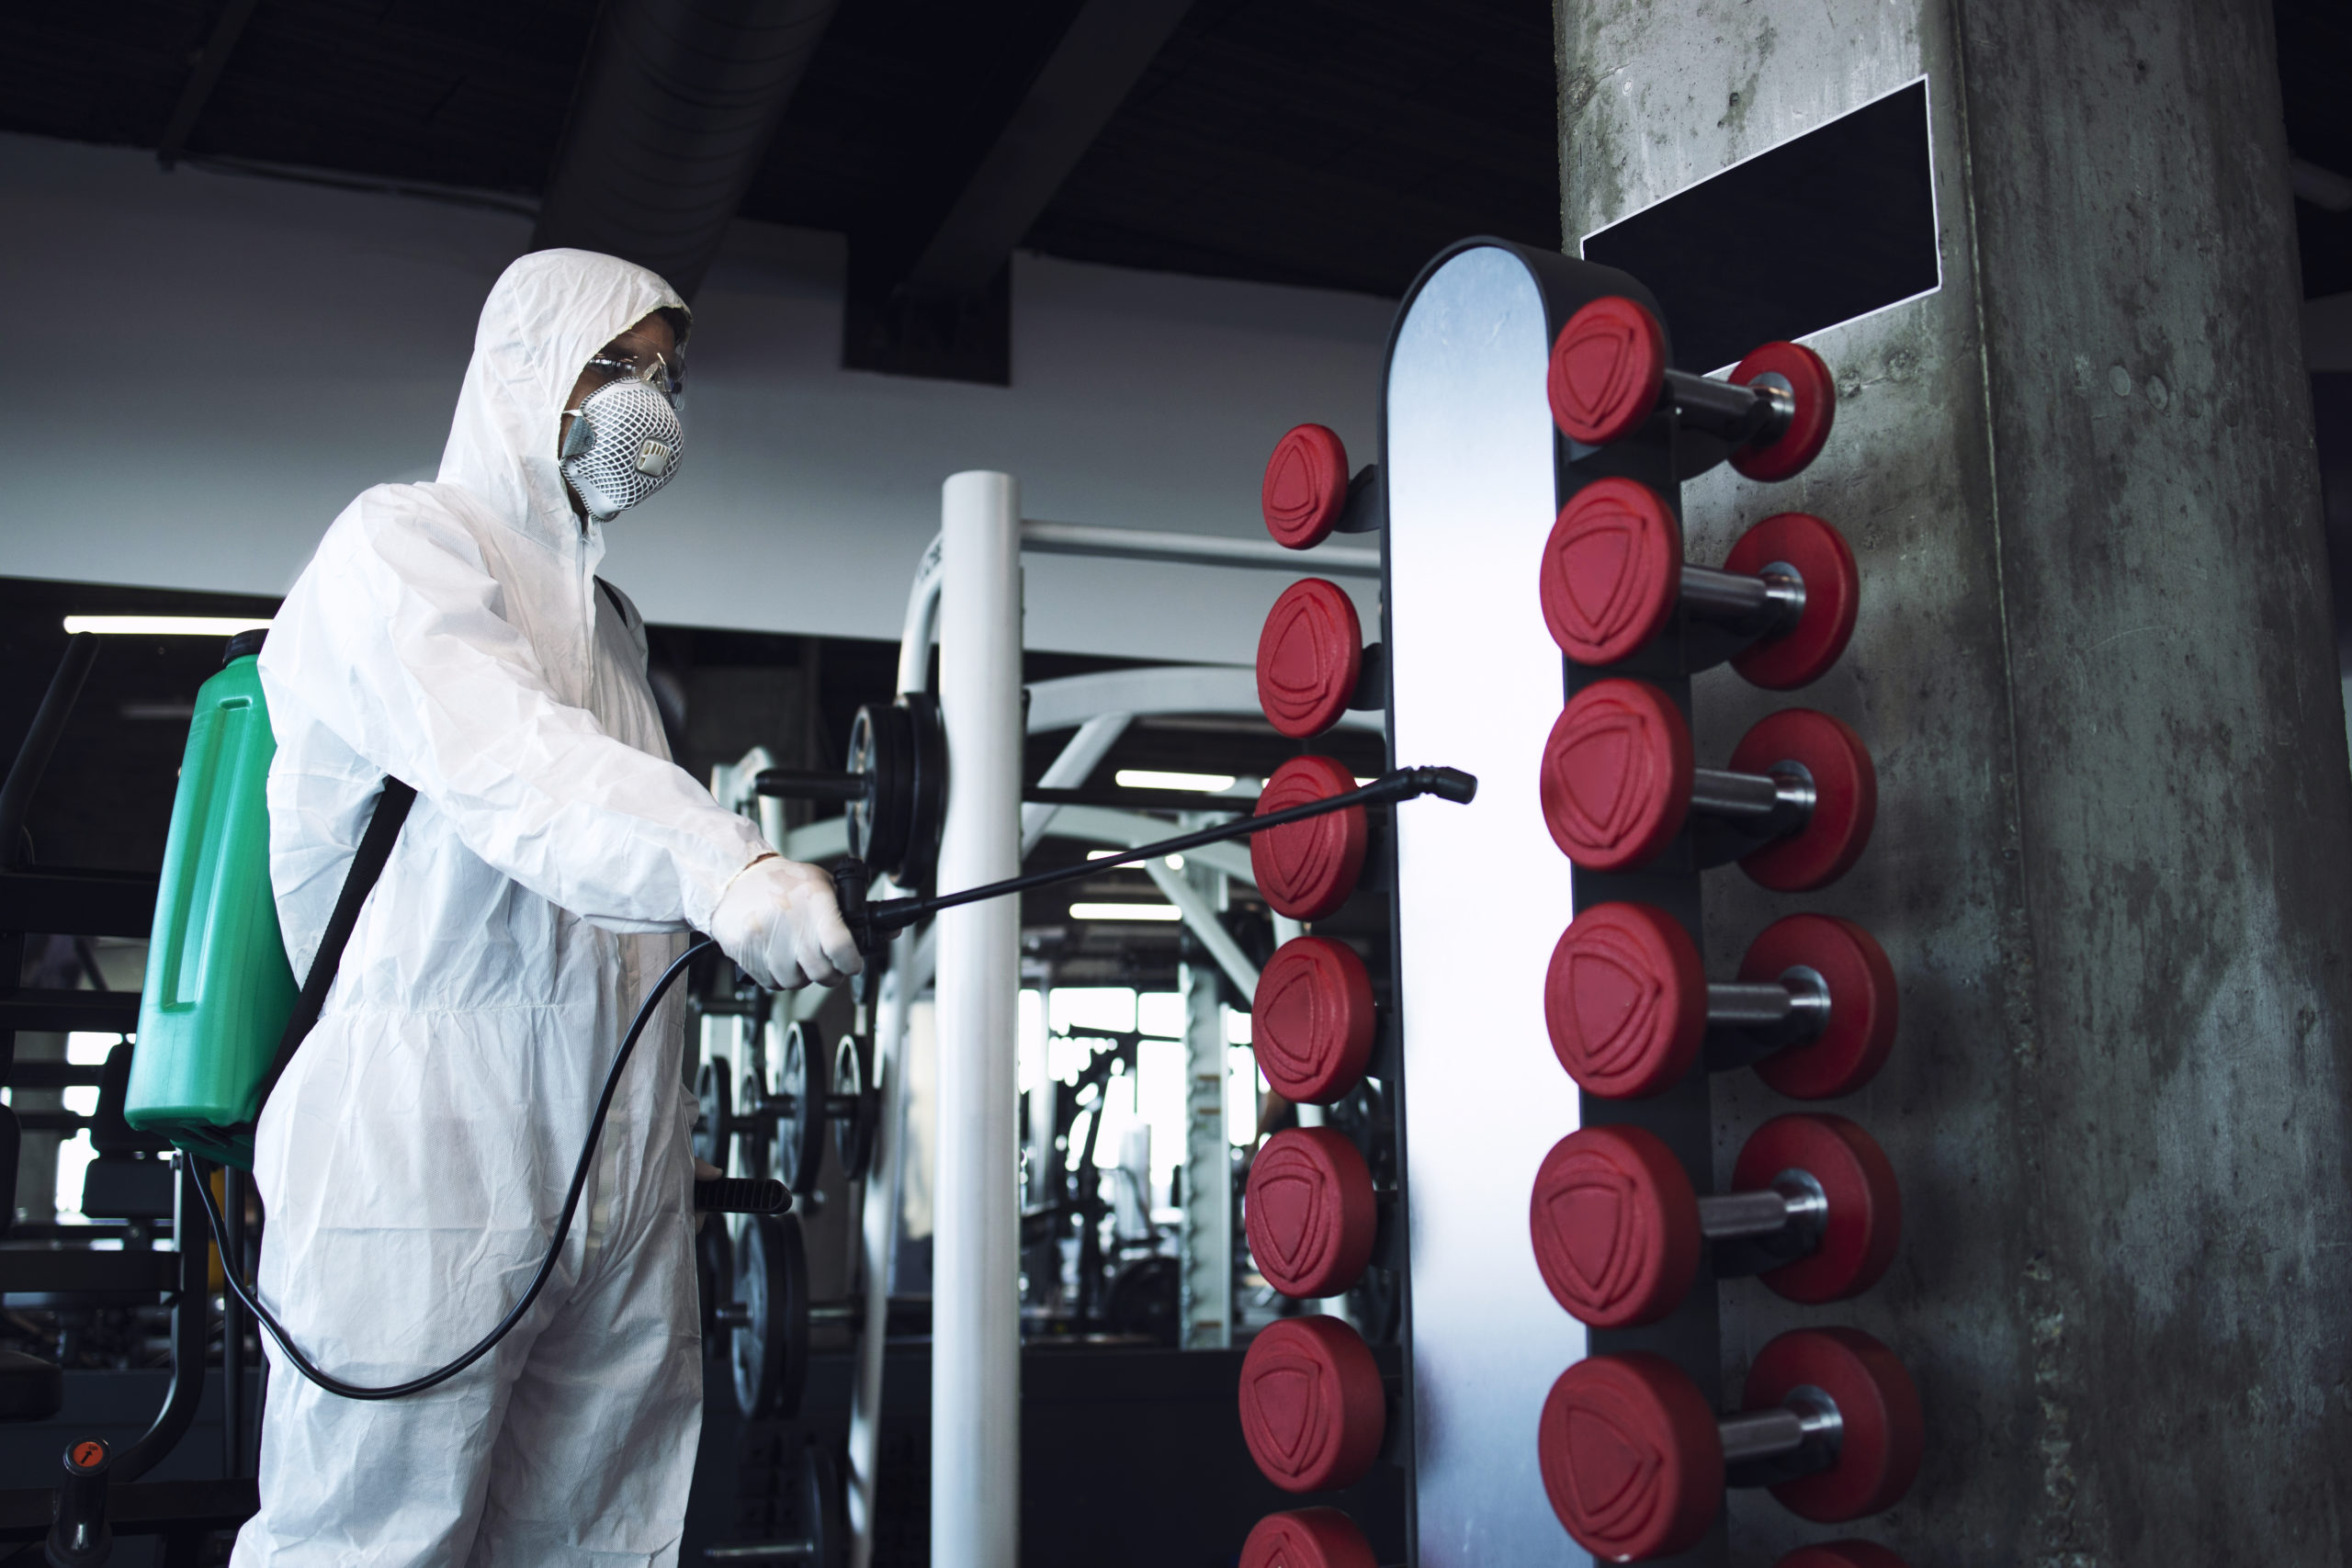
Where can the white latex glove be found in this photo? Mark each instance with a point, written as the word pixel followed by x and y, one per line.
pixel 779 920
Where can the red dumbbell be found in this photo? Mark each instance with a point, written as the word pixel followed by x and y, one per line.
pixel 1781 609
pixel 1314 1409
pixel 1635 1463
pixel 1307 1537
pixel 1311 1212
pixel 1842 1554
pixel 1306 495
pixel 1814 1211
pixel 1795 809
pixel 1608 377
pixel 1312 663
pixel 1628 1005
pixel 1312 1020
pixel 1306 870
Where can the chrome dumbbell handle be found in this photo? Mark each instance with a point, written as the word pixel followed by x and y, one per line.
pixel 1763 1228
pixel 1753 414
pixel 1748 1021
pixel 1759 605
pixel 1797 1437
pixel 1763 806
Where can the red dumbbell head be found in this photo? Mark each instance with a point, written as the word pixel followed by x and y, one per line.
pixel 1306 487
pixel 1310 1213
pixel 1616 1226
pixel 1865 1219
pixel 1616 781
pixel 1607 366
pixel 1842 1554
pixel 1612 571
pixel 1309 656
pixel 1313 1411
pixel 1833 597
pixel 1625 1000
pixel 1311 1022
pixel 1845 797
pixel 1854 1045
pixel 1817 398
pixel 1307 869
pixel 1306 1538
pixel 1630 1456
pixel 1882 1432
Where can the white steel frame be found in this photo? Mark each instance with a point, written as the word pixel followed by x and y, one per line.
pixel 976 1419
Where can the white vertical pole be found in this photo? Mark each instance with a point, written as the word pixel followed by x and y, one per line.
pixel 976 1307
pixel 1206 1299
pixel 881 1219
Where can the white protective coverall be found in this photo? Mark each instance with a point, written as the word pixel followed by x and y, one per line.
pixel 413 1158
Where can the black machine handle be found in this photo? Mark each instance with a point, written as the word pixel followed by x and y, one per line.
pixel 741 1195
pixel 79 1532
pixel 868 920
pixel 803 783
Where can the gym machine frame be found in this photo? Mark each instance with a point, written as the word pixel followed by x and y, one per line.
pixel 1100 707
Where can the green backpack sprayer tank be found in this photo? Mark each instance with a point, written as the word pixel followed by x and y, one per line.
pixel 219 986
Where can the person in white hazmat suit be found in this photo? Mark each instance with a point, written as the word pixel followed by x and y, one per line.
pixel 415 1155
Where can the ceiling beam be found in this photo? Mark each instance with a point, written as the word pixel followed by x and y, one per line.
pixel 947 313
pixel 1090 74
pixel 203 78
pixel 677 102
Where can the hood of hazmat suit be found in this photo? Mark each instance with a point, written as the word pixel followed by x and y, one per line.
pixel 413 1158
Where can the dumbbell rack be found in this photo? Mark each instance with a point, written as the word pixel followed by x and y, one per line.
pixel 1474 475
pixel 1474 472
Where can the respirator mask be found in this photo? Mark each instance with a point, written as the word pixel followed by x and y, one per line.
pixel 626 438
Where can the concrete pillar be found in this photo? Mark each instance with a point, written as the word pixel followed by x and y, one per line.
pixel 2113 863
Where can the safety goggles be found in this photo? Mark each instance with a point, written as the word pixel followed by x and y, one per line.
pixel 664 373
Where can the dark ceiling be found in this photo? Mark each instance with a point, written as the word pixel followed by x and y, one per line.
pixel 2315 80
pixel 1327 142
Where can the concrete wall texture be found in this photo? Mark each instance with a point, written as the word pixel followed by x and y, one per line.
pixel 2115 831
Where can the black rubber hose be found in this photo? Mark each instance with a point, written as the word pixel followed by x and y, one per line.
pixel 333 1384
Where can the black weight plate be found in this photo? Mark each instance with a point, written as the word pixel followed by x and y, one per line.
pixel 713 1271
pixel 824 1506
pixel 854 1106
pixel 713 1113
pixel 769 1353
pixel 881 749
pixel 799 1131
pixel 755 1134
pixel 927 788
pixel 857 815
pixel 1376 1300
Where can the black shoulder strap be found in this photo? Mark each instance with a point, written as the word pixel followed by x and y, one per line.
pixel 375 848
pixel 620 605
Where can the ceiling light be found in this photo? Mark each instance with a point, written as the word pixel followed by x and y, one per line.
pixel 164 625
pixel 1146 778
pixel 1175 863
pixel 1125 912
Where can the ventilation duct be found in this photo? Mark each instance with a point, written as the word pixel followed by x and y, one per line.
pixel 676 105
